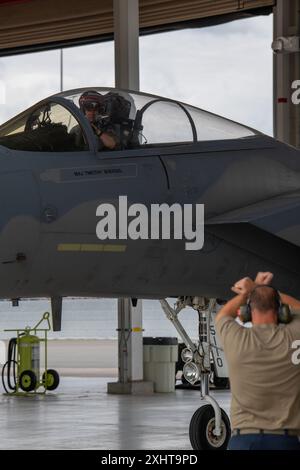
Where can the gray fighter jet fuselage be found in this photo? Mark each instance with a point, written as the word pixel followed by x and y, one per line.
pixel 170 153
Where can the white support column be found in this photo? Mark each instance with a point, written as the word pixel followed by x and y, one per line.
pixel 130 355
pixel 130 330
pixel 130 337
pixel 286 71
pixel 126 34
pixel 135 346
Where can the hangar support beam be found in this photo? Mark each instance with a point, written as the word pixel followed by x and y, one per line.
pixel 130 350
pixel 130 331
pixel 126 36
pixel 286 47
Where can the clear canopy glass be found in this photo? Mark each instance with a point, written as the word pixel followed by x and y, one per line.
pixel 139 120
pixel 166 120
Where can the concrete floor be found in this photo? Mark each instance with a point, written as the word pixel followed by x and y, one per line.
pixel 81 415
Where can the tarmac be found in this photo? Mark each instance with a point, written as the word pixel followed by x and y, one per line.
pixel 81 415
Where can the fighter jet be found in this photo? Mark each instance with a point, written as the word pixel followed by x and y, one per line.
pixel 61 172
pixel 52 183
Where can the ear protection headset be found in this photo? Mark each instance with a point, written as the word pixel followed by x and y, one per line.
pixel 283 310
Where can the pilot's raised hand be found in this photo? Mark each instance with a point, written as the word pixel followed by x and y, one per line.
pixel 244 286
pixel 263 278
pixel 108 140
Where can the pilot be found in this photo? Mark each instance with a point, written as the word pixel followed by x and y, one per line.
pixel 264 371
pixel 92 105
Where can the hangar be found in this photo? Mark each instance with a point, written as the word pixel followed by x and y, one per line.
pixel 33 25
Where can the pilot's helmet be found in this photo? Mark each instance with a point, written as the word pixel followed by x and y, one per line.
pixel 91 100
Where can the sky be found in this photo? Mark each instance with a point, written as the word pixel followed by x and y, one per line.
pixel 225 69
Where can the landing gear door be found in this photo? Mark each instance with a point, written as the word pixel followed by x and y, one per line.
pixel 220 364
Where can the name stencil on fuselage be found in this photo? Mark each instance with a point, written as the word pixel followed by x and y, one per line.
pixel 65 175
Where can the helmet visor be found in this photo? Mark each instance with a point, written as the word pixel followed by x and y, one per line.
pixel 92 106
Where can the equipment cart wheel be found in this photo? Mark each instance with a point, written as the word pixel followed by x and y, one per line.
pixel 52 379
pixel 202 427
pixel 28 380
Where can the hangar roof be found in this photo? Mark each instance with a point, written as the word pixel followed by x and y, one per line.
pixel 27 25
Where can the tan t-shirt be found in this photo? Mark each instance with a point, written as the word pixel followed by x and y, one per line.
pixel 265 383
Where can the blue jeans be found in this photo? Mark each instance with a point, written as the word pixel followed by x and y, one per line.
pixel 264 442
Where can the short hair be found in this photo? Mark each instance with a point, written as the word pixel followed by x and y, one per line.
pixel 264 298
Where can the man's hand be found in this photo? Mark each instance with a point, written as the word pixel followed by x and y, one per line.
pixel 98 131
pixel 108 140
pixel 243 289
pixel 244 286
pixel 263 278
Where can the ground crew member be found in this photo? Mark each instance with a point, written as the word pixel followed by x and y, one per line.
pixel 264 371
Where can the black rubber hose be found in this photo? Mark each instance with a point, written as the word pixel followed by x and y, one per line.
pixel 3 379
pixel 11 358
pixel 2 375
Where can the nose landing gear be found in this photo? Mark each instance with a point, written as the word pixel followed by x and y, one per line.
pixel 210 425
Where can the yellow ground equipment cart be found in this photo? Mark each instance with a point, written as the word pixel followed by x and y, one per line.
pixel 21 372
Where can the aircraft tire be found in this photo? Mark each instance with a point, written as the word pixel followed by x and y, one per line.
pixel 201 430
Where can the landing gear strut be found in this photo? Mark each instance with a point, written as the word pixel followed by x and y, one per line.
pixel 210 425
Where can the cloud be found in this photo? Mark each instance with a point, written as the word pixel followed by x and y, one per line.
pixel 28 79
pixel 91 65
pixel 225 69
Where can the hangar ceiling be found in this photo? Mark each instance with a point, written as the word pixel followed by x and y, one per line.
pixel 27 25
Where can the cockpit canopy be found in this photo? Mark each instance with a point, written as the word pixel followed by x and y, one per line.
pixel 140 120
